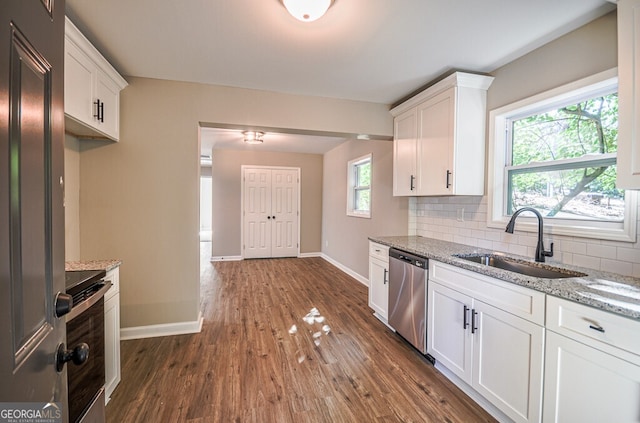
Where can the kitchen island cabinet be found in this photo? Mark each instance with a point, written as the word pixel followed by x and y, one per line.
pixel 439 138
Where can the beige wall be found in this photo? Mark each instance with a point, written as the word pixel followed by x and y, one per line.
pixel 71 198
pixel 583 52
pixel 139 197
pixel 227 185
pixel 344 238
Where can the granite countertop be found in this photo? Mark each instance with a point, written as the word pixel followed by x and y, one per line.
pixel 105 265
pixel 607 291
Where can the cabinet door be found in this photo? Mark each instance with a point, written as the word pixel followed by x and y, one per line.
pixel 108 93
pixel 629 94
pixel 585 385
pixel 379 287
pixel 448 329
pixel 435 144
pixel 112 344
pixel 404 154
pixel 508 362
pixel 78 84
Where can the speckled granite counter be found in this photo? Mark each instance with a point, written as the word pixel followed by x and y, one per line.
pixel 106 265
pixel 607 291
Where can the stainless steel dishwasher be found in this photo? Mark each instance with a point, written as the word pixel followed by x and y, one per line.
pixel 408 297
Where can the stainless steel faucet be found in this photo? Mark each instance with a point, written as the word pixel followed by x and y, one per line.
pixel 540 252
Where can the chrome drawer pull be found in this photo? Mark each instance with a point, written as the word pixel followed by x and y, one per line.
pixel 598 328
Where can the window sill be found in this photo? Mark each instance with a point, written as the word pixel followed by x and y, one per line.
pixel 357 214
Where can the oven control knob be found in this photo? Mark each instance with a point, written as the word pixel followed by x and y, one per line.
pixel 78 355
pixel 64 304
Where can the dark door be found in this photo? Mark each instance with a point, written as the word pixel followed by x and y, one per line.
pixel 31 200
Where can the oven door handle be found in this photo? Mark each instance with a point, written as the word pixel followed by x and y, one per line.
pixel 86 304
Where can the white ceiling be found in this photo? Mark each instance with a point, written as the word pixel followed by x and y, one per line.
pixel 367 50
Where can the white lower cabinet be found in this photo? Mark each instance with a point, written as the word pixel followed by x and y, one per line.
pixel 112 333
pixel 379 280
pixel 508 362
pixel 498 353
pixel 591 373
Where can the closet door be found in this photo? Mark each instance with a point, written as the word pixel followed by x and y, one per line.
pixel 284 212
pixel 257 213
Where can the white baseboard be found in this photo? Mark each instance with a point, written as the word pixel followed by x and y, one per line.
pixel 226 258
pixel 346 270
pixel 306 255
pixel 166 329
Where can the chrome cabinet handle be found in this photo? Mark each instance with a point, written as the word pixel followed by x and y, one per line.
pixel 598 328
pixel 384 278
pixel 413 178
pixel 448 176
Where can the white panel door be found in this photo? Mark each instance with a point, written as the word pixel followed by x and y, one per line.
pixel 379 287
pixel 448 329
pixel 629 94
pixel 508 362
pixel 284 212
pixel 404 154
pixel 257 213
pixel 583 384
pixel 435 142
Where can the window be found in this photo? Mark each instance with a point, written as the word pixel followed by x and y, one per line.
pixel 556 152
pixel 359 187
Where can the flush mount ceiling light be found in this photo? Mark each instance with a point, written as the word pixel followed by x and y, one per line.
pixel 253 137
pixel 307 10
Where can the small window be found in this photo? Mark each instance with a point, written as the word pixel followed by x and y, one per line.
pixel 556 152
pixel 359 187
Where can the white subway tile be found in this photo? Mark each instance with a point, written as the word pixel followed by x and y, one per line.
pixel 629 254
pixel 601 251
pixel 586 261
pixel 483 243
pixel 615 266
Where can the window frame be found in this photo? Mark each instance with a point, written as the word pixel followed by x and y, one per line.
pixel 353 188
pixel 499 148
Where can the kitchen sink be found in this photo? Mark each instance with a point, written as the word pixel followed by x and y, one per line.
pixel 522 267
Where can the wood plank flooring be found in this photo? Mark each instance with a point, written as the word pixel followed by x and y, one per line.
pixel 245 366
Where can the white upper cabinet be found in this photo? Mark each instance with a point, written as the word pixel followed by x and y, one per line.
pixel 629 94
pixel 91 89
pixel 439 138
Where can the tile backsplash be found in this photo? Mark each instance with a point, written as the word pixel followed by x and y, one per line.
pixel 438 217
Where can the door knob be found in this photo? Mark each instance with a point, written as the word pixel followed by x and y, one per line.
pixel 78 355
pixel 64 304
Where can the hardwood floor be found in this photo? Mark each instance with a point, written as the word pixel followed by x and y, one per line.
pixel 245 366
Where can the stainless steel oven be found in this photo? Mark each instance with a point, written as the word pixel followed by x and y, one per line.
pixel 85 335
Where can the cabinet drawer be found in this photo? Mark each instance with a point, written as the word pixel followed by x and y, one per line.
pixel 379 251
pixel 514 299
pixel 587 324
